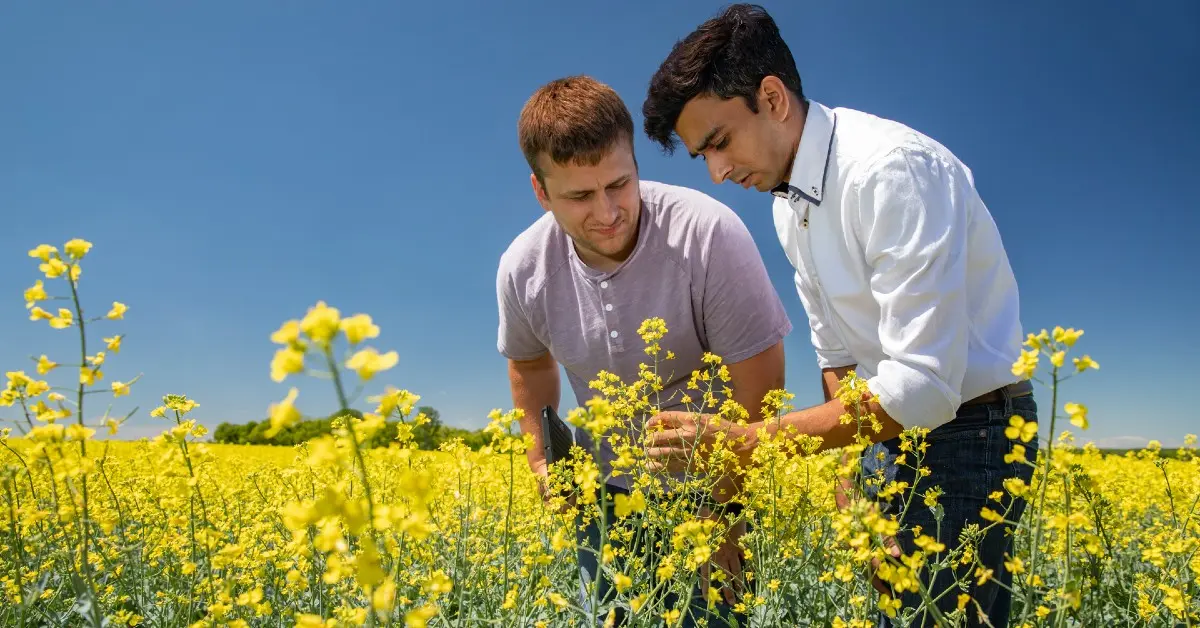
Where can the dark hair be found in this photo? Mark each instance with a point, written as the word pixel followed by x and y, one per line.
pixel 728 55
pixel 575 119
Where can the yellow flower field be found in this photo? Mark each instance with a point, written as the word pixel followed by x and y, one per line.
pixel 173 531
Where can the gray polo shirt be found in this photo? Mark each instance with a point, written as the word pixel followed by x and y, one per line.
pixel 694 265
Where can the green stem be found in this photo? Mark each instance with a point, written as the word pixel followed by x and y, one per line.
pixel 1038 512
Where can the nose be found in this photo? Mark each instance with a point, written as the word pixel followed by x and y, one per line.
pixel 608 212
pixel 718 168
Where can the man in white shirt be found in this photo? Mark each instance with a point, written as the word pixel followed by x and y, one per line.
pixel 898 262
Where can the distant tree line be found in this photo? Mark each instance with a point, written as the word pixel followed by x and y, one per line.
pixel 427 436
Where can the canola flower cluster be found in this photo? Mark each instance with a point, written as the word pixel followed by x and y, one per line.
pixel 174 531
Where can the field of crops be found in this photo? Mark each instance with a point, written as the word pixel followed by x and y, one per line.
pixel 171 531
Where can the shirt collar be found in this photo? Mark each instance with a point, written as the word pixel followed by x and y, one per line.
pixel 811 163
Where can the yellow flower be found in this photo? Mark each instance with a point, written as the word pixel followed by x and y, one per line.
pixel 113 344
pixel 1026 365
pixel 384 597
pixel 283 414
pixel 622 582
pixel 1085 363
pixel 77 248
pixel 1057 358
pixel 367 362
pixel 63 320
pixel 118 311
pixel 120 389
pixel 321 323
pixel 77 432
pixel 420 617
pixel 44 365
pixel 438 583
pixel 35 294
pixel 53 268
pixel 1078 414
pixel 1018 454
pixel 287 333
pixel 888 605
pixel 1067 336
pixel 358 328
pixel 286 361
pixel 307 620
pixel 43 252
pixel 38 313
pixel 991 515
pixel 1018 427
pixel 88 377
pixel 626 504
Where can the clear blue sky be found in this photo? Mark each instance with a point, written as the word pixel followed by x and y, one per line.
pixel 234 162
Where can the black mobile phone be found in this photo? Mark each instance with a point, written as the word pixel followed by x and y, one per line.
pixel 556 436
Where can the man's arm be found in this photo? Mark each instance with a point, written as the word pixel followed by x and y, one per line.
pixel 914 238
pixel 751 379
pixel 535 385
pixel 831 379
pixel 744 320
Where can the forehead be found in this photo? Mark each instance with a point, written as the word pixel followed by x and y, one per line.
pixel 614 163
pixel 708 113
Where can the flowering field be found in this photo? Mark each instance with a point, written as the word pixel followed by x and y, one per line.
pixel 172 531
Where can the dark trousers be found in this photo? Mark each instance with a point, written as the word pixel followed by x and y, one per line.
pixel 966 459
pixel 589 553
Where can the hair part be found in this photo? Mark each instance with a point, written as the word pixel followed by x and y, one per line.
pixel 727 56
pixel 572 120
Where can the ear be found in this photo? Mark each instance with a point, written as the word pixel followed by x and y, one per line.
pixel 539 192
pixel 773 98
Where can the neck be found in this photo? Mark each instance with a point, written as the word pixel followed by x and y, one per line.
pixel 794 129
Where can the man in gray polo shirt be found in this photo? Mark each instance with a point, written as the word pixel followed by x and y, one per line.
pixel 611 251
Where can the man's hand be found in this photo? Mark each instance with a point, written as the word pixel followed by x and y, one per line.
pixel 541 473
pixel 728 558
pixel 674 438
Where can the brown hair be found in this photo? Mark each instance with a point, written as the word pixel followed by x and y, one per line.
pixel 575 119
pixel 728 56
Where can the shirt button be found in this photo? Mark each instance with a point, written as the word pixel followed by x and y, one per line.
pixel 603 284
pixel 613 333
pixel 608 307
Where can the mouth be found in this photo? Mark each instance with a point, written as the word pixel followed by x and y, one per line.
pixel 744 181
pixel 609 232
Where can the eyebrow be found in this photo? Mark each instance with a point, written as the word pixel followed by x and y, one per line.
pixel 705 142
pixel 621 179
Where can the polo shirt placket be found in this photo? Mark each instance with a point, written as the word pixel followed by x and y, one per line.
pixel 612 319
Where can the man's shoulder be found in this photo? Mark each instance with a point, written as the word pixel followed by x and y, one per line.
pixel 685 214
pixel 533 254
pixel 865 142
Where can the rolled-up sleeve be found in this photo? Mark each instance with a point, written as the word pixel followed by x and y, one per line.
pixel 913 227
pixel 515 338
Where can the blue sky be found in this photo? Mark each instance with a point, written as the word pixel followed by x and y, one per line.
pixel 235 162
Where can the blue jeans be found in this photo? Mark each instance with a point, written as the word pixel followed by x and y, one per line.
pixel 588 537
pixel 966 459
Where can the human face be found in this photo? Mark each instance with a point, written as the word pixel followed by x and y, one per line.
pixel 598 206
pixel 748 148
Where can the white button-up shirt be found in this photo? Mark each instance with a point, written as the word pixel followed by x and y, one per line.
pixel 899 265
